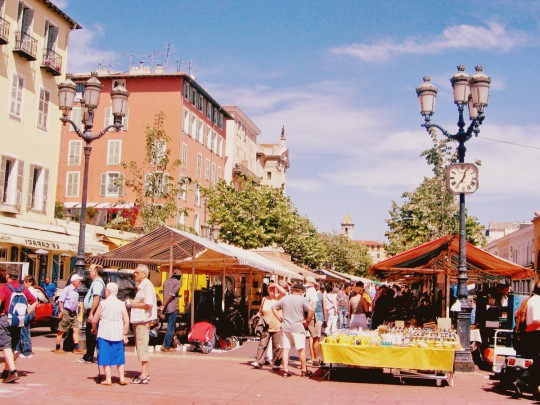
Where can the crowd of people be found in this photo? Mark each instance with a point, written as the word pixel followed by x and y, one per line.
pixel 297 315
pixel 106 316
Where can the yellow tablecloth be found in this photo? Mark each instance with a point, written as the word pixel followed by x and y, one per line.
pixel 414 358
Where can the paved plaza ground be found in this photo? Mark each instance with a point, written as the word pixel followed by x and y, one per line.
pixel 226 378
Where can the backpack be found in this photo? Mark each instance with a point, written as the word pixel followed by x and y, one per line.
pixel 18 307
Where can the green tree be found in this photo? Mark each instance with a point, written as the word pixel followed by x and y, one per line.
pixel 429 212
pixel 253 216
pixel 345 255
pixel 155 190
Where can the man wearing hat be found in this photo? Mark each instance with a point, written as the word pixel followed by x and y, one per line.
pixel 68 304
pixel 171 288
pixel 293 326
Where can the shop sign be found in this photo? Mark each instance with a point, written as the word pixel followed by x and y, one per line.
pixel 6 238
pixel 42 244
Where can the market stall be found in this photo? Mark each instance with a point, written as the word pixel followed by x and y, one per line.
pixel 405 353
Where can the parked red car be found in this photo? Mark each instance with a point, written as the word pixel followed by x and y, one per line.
pixel 44 313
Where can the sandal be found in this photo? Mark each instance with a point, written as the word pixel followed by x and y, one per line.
pixel 140 380
pixel 306 373
pixel 122 383
pixel 286 374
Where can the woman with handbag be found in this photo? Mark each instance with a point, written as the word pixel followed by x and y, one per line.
pixel 271 332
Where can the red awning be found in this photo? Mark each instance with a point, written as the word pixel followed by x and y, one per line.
pixel 442 256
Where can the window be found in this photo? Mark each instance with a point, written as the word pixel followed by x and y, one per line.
pixel 182 218
pixel 207 169
pixel 109 119
pixel 213 141
pixel 74 153
pixel 186 90
pixel 268 175
pixel 184 155
pixel 219 173
pixel 51 36
pixel 76 117
pixel 17 86
pixel 156 184
pixel 25 18
pixel 114 152
pixel 199 165
pixel 209 110
pixel 37 190
pixel 197 195
pixel 158 152
pixel 196 223
pixel 112 184
pixel 72 184
pixel 201 102
pixel 213 175
pixel 11 182
pixel 43 108
pixel 183 192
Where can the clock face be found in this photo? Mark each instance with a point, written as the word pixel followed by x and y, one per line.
pixel 462 178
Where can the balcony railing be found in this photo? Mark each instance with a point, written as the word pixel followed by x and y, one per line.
pixel 25 45
pixel 4 31
pixel 52 62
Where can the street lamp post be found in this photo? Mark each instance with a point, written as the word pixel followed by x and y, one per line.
pixel 461 178
pixel 92 90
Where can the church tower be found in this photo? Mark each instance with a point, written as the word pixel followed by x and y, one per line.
pixel 347 227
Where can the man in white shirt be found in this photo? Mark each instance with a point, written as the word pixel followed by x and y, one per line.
pixel 143 315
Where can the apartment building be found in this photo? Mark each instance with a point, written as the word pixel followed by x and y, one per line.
pixel 33 44
pixel 242 149
pixel 194 120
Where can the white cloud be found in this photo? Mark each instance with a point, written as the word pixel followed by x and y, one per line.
pixel 492 38
pixel 84 56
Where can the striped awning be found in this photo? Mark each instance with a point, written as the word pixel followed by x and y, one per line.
pixel 441 256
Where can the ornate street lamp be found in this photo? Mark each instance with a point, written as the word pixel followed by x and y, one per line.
pixel 92 91
pixel 461 177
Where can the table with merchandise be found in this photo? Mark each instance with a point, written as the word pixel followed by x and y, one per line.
pixel 405 353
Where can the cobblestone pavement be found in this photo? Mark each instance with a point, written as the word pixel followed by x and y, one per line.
pixel 226 378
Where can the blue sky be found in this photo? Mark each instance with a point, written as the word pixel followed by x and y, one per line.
pixel 341 77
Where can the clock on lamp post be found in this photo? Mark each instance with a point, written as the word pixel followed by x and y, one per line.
pixel 462 178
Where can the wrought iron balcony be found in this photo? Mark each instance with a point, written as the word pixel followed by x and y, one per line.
pixel 4 31
pixel 52 62
pixel 25 45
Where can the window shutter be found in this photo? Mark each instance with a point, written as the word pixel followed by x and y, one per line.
pixel 147 184
pixel 2 177
pixel 14 86
pixel 20 176
pixel 108 117
pixel 30 191
pixel 45 190
pixel 103 188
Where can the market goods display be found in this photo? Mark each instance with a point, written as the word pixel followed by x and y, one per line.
pixel 399 337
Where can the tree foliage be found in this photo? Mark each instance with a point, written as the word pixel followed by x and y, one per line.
pixel 253 216
pixel 429 212
pixel 345 255
pixel 155 190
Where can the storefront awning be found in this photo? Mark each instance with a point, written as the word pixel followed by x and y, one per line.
pixel 47 240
